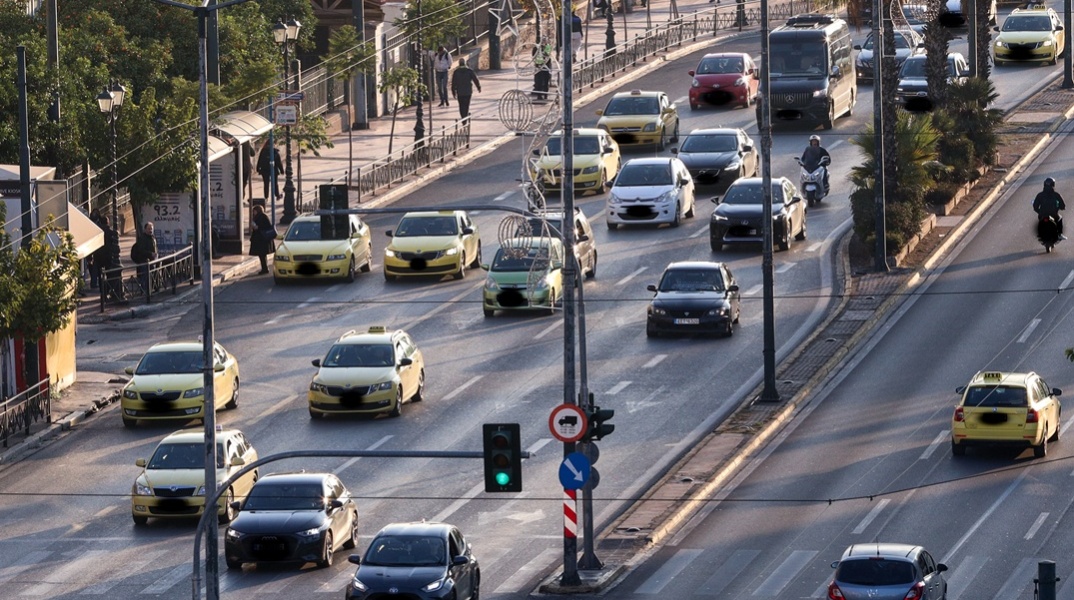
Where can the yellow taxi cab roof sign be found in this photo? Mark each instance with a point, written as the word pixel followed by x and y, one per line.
pixel 992 376
pixel 377 329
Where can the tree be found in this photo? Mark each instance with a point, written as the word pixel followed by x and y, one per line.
pixel 347 55
pixel 937 44
pixel 437 23
pixel 984 37
pixel 404 86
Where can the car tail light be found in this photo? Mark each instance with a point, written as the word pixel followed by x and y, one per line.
pixel 834 593
pixel 1032 416
pixel 916 593
pixel 960 417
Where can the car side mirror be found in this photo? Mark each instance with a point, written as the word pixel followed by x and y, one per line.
pixel 960 389
pixel 857 47
pixel 582 238
pixel 334 505
pixel 675 151
pixel 405 362
pixel 218 368
pixel 732 288
pixel 484 266
pixel 1059 28
pixel 459 560
pixel 129 370
pixel 316 362
pixel 940 567
pixel 468 231
pixel 651 287
pixel 600 112
pixel 1057 392
pixel 389 233
pixel 690 73
pixel 236 505
pixel 996 28
pixel 140 462
pixel 747 148
pixel 238 461
pixel 354 559
pixel 715 199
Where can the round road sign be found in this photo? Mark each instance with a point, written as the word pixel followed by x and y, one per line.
pixel 567 423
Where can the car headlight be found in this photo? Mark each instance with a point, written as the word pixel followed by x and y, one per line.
pixel 311 532
pixel 380 387
pixel 1000 44
pixel 358 585
pixel 432 587
pixel 318 387
pixel 140 489
pixel 232 535
pixel 741 81
pixel 194 393
pixel 613 199
pixel 133 394
pixel 451 251
pixel 590 170
pixel 337 256
pixel 542 284
pixel 695 83
pixel 490 284
pixel 282 258
pixel 716 217
pixel 723 311
pixel 900 89
pixel 389 253
pixel 602 127
pixel 733 166
pixel 822 93
pixel 668 196
pixel 201 490
pixel 658 311
pixel 1046 44
pixel 649 127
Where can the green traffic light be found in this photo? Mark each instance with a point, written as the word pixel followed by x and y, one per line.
pixel 503 479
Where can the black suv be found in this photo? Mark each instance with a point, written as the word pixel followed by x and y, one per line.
pixel 419 561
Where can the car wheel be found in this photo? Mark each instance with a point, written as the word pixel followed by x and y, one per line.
pixel 419 394
pixel 488 312
pixel 367 266
pixel 662 143
pixel 958 449
pixel 328 552
pixel 233 403
pixel 352 541
pixel 234 565
pixel 749 100
pixel 461 273
pixel 1041 449
pixel 476 594
pixel 829 121
pixel 675 134
pixel 277 280
pixel 1058 428
pixel 388 276
pixel 785 240
pixel 650 331
pixel 738 314
pixel 129 423
pixel 678 215
pixel 602 183
pixel 695 106
pixel 398 408
pixel 801 232
pixel 229 511
pixel 690 213
pixel 140 521
pixel 315 415
pixel 853 100
pixel 592 272
pixel 715 244
pixel 612 226
pixel 729 331
pixel 352 271
pixel 552 302
pixel 476 264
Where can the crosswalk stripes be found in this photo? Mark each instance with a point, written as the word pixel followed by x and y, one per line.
pixel 23 563
pixel 728 572
pixel 960 576
pixel 521 577
pixel 65 572
pixel 784 573
pixel 1022 577
pixel 656 582
pixel 137 564
pixel 179 573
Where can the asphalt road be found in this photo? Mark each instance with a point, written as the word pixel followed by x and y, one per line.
pixel 76 535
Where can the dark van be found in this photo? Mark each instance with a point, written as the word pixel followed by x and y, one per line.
pixel 811 70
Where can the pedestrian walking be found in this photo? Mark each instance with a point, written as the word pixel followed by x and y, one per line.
pixel 98 258
pixel 576 35
pixel 542 70
pixel 111 267
pixel 143 252
pixel 463 82
pixel 262 234
pixel 442 65
pixel 270 174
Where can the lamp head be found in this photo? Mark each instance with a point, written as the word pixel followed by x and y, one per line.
pixel 119 92
pixel 293 27
pixel 105 100
pixel 279 32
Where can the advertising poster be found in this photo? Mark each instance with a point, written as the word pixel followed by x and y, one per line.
pixel 173 221
pixel 223 196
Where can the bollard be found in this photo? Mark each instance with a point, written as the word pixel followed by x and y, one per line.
pixel 1046 580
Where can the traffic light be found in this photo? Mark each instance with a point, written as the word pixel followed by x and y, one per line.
pixel 503 457
pixel 598 427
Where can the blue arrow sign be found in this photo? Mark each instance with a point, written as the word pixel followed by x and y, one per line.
pixel 574 471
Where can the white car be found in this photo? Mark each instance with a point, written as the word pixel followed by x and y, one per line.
pixel 651 191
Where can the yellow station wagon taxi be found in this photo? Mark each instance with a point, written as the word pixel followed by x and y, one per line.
pixel 1012 409
pixel 309 251
pixel 596 160
pixel 640 117
pixel 432 243
pixel 172 481
pixel 168 385
pixel 1029 35
pixel 370 372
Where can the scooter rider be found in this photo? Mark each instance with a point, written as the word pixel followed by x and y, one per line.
pixel 1048 203
pixel 812 156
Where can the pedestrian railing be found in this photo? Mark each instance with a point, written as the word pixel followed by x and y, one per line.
pixel 124 284
pixel 22 410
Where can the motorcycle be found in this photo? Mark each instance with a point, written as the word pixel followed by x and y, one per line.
pixel 1048 232
pixel 813 181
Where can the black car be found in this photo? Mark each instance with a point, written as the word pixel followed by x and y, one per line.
pixel 416 561
pixel 694 297
pixel 913 89
pixel 738 218
pixel 718 156
pixel 907 43
pixel 292 517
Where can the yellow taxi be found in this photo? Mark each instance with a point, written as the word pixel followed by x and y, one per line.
pixel 310 251
pixel 526 274
pixel 172 482
pixel 167 383
pixel 596 160
pixel 639 117
pixel 432 243
pixel 369 372
pixel 1029 35
pixel 1011 409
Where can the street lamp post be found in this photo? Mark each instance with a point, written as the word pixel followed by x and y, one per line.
pixel 110 100
pixel 284 35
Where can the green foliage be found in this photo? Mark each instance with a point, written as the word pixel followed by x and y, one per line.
pixel 438 22
pixel 311 134
pixel 969 103
pixel 347 55
pixel 403 83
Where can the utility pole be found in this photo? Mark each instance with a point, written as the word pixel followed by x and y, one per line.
pixel 54 63
pixel 361 110
pixel 769 393
pixel 880 253
pixel 1068 80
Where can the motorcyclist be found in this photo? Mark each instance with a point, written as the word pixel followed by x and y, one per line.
pixel 1048 203
pixel 812 156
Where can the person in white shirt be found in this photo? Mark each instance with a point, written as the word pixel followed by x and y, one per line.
pixel 442 65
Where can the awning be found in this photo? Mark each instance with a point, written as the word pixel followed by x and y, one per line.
pixel 217 149
pixel 88 237
pixel 242 125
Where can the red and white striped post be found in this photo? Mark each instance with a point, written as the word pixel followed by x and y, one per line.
pixel 570 514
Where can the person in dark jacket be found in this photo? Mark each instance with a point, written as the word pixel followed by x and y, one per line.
pixel 463 82
pixel 1048 203
pixel 261 237
pixel 144 251
pixel 812 156
pixel 542 70
pixel 97 259
pixel 108 256
pixel 272 183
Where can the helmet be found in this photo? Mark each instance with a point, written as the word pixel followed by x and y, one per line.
pixel 1049 183
pixel 814 138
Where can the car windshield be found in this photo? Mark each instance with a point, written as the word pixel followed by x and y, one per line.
pixel 691 280
pixel 915 68
pixel 875 572
pixel 633 105
pixel 359 355
pixel 419 226
pixel 709 143
pixel 583 144
pixel 303 231
pixel 901 41
pixel 518 259
pixel 913 14
pixel 751 194
pixel 721 64
pixel 270 495
pixel 534 226
pixel 995 396
pixel 406 551
pixel 183 456
pixel 641 175
pixel 796 59
pixel 1028 23
pixel 167 363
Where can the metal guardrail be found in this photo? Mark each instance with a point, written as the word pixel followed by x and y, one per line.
pixel 163 273
pixel 22 410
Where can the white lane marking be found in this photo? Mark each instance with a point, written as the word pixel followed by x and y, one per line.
pixel 783 574
pixel 959 578
pixel 68 570
pixel 104 511
pixel 618 388
pixel 753 291
pixel 518 580
pixel 633 406
pixel 785 267
pixel 680 100
pixel 275 320
pixel 700 231
pixel 835 143
pixel 985 515
pixel 355 459
pixel 654 361
pixel 504 196
pixel 939 439
pixel 1028 331
pixel 1066 282
pixel 729 571
pixel 541 443
pixel 136 565
pixel 631 276
pixel 667 571
pixel 814 246
pixel 172 578
pixel 549 329
pixel 308 302
pixel 1021 579
pixel 1036 525
pixel 24 562
pixel 873 514
pixel 462 387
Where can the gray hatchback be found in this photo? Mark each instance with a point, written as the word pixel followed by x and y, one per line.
pixel 883 571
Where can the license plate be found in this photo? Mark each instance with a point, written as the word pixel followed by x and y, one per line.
pixel 753 232
pixel 810 187
pixel 687 321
